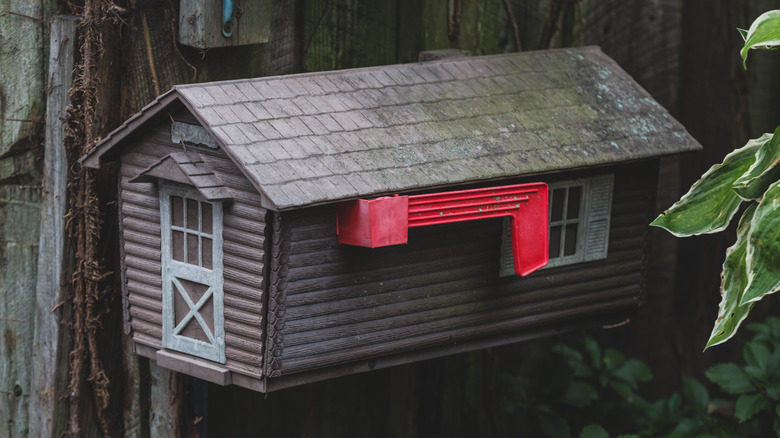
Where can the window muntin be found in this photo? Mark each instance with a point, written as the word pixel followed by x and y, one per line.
pixel 565 206
pixel 191 231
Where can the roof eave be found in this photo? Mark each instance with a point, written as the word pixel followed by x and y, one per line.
pixel 95 157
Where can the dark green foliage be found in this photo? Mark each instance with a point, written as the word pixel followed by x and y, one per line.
pixel 590 392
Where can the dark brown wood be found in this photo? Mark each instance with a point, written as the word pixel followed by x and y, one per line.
pixel 331 304
pixel 381 361
pixel 344 303
pixel 278 248
pixel 146 303
pixel 243 251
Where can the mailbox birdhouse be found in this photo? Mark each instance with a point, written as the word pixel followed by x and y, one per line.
pixel 282 230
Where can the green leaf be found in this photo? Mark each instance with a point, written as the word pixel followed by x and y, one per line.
pixel 761 328
pixel 772 390
pixel 710 203
pixel 593 431
pixel 613 359
pixel 633 371
pixel 674 402
pixel 773 323
pixel 685 428
pixel 763 248
pixel 579 395
pixel 623 389
pixel 772 365
pixel 733 284
pixel 569 353
pixel 764 33
pixel 763 172
pixel 756 355
pixel 743 33
pixel 554 425
pixel 767 331
pixel 730 377
pixel 592 347
pixel 696 393
pixel 748 405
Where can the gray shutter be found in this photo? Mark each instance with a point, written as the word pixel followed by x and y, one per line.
pixel 507 260
pixel 599 195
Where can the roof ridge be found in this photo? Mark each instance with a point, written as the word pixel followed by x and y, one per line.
pixel 463 60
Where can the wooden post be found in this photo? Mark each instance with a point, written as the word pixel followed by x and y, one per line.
pixel 49 369
pixel 22 61
pixel 166 399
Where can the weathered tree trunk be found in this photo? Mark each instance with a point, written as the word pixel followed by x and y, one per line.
pixel 49 369
pixel 23 38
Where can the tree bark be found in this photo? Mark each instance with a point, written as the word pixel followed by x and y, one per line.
pixel 23 31
pixel 49 370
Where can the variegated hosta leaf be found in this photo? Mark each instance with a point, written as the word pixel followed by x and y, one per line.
pixel 710 203
pixel 764 33
pixel 763 248
pixel 734 281
pixel 764 171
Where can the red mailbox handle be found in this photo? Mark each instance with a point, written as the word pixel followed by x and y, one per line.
pixel 382 221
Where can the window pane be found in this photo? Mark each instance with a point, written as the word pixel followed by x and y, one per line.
pixel 177 244
pixel 206 252
pixel 192 249
pixel 557 205
pixel 555 241
pixel 570 245
pixel 207 217
pixel 177 214
pixel 192 214
pixel 573 207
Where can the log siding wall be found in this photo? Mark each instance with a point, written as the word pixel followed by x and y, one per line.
pixel 243 251
pixel 345 304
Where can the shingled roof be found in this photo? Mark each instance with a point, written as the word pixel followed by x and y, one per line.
pixel 315 138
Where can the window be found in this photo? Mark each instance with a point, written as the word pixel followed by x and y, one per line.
pixel 191 227
pixel 579 223
pixel 565 208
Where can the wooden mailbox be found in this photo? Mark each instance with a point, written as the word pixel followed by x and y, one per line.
pixel 282 230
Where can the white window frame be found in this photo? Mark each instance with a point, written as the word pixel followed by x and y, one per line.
pixel 172 270
pixel 593 224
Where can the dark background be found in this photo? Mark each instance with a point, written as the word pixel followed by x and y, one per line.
pixel 685 53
